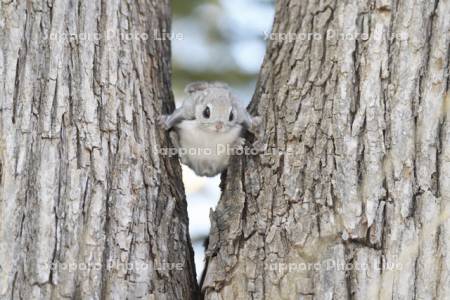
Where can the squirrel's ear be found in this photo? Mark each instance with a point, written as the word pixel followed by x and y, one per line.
pixel 195 87
pixel 219 84
pixel 203 85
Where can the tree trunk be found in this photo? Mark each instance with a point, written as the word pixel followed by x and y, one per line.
pixel 352 198
pixel 86 205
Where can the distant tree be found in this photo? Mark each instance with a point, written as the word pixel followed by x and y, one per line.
pixel 351 200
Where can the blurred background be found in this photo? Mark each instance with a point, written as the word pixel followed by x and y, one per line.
pixel 215 40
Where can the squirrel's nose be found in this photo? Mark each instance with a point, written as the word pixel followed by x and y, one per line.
pixel 219 125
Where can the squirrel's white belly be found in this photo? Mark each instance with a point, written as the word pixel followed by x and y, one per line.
pixel 207 153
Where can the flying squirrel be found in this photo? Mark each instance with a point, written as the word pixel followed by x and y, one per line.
pixel 208 126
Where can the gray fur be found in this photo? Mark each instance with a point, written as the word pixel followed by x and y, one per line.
pixel 204 143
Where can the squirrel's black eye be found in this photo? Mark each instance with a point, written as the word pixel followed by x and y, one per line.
pixel 231 116
pixel 206 113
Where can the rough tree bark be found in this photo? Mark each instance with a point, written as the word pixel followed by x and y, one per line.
pixel 362 124
pixel 83 191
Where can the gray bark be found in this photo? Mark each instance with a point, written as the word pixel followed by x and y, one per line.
pixel 83 191
pixel 361 124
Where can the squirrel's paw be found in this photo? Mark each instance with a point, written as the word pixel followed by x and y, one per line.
pixel 162 121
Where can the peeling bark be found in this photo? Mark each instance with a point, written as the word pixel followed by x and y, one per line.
pixel 83 190
pixel 357 168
